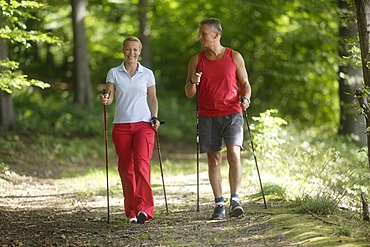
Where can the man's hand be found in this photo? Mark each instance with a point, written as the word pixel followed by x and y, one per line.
pixel 195 78
pixel 245 102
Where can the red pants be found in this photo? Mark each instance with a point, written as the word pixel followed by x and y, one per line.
pixel 134 146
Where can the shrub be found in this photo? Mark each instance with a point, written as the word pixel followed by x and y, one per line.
pixel 318 204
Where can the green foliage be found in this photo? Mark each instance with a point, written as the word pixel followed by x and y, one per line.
pixel 38 112
pixel 343 231
pixel 15 79
pixel 15 13
pixel 274 189
pixel 13 28
pixel 290 49
pixel 179 118
pixel 319 204
pixel 311 161
pixel 268 133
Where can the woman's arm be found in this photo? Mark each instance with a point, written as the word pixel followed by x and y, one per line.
pixel 153 105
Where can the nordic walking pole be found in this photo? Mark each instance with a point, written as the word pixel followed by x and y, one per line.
pixel 254 155
pixel 106 155
pixel 197 123
pixel 160 165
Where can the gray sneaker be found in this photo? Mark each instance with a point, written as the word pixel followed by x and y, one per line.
pixel 235 209
pixel 219 212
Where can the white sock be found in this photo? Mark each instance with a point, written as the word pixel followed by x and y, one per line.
pixel 235 199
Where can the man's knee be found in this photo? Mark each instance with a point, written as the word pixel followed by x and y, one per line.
pixel 233 150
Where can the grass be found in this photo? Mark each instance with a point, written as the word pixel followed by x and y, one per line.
pixel 319 204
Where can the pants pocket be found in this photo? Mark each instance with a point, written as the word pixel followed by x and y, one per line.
pixel 150 144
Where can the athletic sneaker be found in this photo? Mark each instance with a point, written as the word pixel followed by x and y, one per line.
pixel 141 217
pixel 235 209
pixel 219 212
pixel 132 220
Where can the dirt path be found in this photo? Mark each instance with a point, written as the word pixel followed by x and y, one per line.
pixel 39 212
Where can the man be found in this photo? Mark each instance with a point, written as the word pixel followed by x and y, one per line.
pixel 223 92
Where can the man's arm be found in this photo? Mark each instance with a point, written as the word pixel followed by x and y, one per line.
pixel 242 76
pixel 193 77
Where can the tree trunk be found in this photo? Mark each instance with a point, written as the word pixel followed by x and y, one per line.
pixel 7 117
pixel 350 78
pixel 363 22
pixel 83 90
pixel 365 208
pixel 144 32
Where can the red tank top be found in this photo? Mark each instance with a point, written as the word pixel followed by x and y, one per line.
pixel 218 88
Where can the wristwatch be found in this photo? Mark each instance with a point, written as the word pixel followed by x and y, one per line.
pixel 242 99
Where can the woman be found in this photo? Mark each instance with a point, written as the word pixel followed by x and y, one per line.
pixel 135 123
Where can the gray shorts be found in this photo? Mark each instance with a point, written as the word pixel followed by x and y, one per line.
pixel 213 129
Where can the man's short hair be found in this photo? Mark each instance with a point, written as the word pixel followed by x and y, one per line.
pixel 213 23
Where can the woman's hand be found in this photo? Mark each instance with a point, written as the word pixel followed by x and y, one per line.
pixel 155 123
pixel 104 97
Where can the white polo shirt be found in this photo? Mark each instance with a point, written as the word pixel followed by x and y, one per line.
pixel 131 93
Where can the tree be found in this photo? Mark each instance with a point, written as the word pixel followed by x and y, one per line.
pixel 7 118
pixel 363 22
pixel 144 32
pixel 83 92
pixel 349 75
pixel 12 29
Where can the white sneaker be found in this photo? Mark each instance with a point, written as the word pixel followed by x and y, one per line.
pixel 132 220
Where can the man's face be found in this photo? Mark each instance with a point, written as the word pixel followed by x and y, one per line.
pixel 207 35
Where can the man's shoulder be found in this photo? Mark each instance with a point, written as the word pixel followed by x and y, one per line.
pixel 197 55
pixel 194 58
pixel 236 55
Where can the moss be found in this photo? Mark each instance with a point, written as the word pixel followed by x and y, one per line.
pixel 312 230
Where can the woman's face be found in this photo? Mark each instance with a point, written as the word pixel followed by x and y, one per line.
pixel 131 51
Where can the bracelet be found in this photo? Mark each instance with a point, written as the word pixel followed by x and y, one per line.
pixel 191 81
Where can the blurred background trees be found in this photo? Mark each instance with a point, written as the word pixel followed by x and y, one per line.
pixel 300 56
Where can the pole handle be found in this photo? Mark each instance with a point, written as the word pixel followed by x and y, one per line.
pixel 155 119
